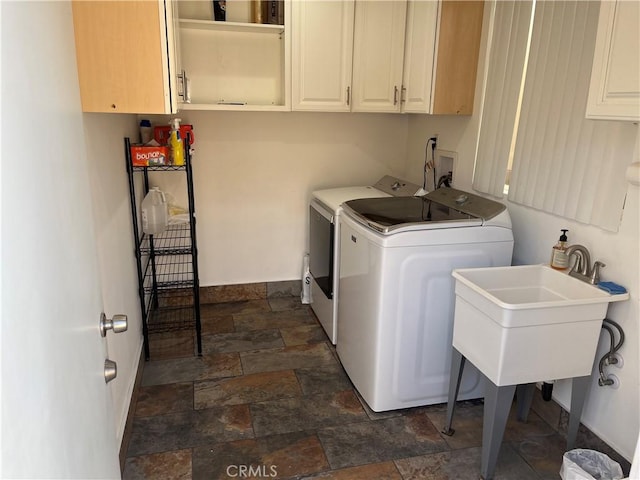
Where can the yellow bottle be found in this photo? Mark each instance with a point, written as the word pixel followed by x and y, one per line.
pixel 177 145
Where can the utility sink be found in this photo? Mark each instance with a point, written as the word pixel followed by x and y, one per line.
pixel 528 323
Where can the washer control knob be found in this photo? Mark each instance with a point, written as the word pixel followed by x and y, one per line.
pixel 460 199
pixel 396 186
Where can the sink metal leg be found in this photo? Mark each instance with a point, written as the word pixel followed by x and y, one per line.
pixel 579 389
pixel 455 376
pixel 524 398
pixel 497 403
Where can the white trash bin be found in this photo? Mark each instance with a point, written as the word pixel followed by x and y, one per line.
pixel 583 464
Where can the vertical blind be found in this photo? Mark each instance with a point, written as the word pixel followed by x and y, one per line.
pixel 508 46
pixel 562 163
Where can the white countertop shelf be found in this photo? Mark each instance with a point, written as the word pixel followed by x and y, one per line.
pixel 231 26
pixel 240 108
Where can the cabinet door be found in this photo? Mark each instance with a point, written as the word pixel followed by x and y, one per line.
pixel 614 93
pixel 458 45
pixel 122 56
pixel 420 41
pixel 322 49
pixel 177 77
pixel 378 53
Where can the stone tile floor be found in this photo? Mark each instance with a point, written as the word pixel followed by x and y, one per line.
pixel 269 399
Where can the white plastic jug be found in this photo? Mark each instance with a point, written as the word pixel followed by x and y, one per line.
pixel 155 213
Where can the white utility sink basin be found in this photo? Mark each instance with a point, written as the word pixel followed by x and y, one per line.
pixel 528 323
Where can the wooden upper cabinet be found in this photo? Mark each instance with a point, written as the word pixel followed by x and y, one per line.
pixel 458 47
pixel 122 51
pixel 441 56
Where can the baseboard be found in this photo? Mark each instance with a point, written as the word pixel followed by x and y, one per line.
pixel 128 425
pixel 250 291
pixel 555 415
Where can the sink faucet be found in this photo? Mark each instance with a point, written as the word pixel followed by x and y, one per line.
pixel 582 267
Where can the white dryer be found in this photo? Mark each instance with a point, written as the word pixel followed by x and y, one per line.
pixel 397 295
pixel 324 244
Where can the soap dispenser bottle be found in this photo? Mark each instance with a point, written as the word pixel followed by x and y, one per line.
pixel 559 259
pixel 176 143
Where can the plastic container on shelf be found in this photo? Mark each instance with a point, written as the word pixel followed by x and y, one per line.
pixel 146 131
pixel 155 214
pixel 176 143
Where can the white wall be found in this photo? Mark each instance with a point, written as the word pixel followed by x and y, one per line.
pixel 254 173
pixel 611 414
pixel 104 137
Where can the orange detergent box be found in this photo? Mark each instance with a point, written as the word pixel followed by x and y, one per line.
pixel 144 156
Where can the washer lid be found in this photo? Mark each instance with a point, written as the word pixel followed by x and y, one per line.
pixel 453 208
pixel 387 186
pixel 466 202
pixel 332 198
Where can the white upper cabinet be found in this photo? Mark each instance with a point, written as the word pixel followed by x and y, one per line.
pixel 412 56
pixel 125 56
pixel 322 39
pixel 236 64
pixel 422 20
pixel 378 53
pixel 614 93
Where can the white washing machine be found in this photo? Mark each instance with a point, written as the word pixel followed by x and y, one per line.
pixel 324 242
pixel 397 294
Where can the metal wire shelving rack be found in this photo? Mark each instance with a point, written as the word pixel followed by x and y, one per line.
pixel 167 263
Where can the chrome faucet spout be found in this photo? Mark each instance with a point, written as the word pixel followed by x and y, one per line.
pixel 583 259
pixel 582 266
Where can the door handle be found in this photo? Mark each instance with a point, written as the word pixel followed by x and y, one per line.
pixel 119 324
pixel 110 370
pixel 395 94
pixel 185 83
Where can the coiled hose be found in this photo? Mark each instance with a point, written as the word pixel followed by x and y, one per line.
pixel 609 358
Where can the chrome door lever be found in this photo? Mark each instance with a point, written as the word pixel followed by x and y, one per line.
pixel 119 324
